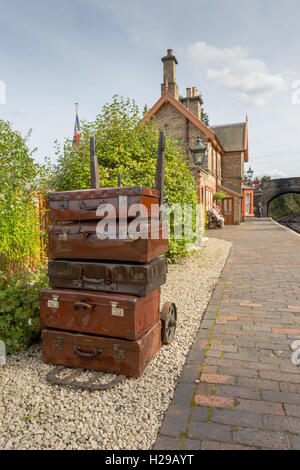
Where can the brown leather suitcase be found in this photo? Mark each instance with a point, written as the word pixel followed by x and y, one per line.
pixel 114 355
pixel 123 278
pixel 83 204
pixel 81 241
pixel 106 314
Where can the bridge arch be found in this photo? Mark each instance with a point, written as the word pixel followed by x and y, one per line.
pixel 274 188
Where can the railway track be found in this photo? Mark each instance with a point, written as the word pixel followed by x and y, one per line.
pixel 291 221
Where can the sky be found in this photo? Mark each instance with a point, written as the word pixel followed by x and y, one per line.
pixel 242 56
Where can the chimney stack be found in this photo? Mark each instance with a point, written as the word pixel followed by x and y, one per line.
pixel 169 65
pixel 192 101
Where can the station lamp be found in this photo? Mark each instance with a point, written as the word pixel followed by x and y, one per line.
pixel 200 153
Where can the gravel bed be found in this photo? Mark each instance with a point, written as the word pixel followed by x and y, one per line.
pixel 37 415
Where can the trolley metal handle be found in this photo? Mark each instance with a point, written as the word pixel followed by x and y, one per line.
pixel 85 354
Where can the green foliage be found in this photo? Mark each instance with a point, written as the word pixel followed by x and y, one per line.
pixel 204 117
pixel 19 308
pixel 204 114
pixel 125 145
pixel 219 196
pixel 283 205
pixel 258 179
pixel 20 179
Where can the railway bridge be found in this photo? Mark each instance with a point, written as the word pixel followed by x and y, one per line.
pixel 274 188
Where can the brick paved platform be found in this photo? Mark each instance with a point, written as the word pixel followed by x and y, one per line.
pixel 248 395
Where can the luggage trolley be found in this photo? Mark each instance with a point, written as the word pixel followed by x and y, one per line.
pixel 95 315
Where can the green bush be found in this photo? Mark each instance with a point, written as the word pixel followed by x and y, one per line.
pixel 286 204
pixel 19 308
pixel 219 196
pixel 126 145
pixel 20 180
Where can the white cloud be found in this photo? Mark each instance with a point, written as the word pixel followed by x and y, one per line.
pixel 234 69
pixel 275 173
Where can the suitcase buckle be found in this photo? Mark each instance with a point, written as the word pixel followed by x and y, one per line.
pixel 115 310
pixel 54 303
pixel 58 343
pixel 63 236
pixel 117 352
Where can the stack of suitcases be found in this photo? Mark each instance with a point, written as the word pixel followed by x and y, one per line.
pixel 102 311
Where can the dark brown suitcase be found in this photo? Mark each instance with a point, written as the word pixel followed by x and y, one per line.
pixel 83 204
pixel 124 278
pixel 81 241
pixel 114 355
pixel 116 315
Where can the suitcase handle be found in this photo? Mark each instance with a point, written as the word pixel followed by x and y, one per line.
pixel 92 205
pixel 94 281
pixel 88 232
pixel 85 354
pixel 82 306
pixel 129 239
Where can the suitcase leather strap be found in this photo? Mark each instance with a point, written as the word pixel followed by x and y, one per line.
pixel 63 230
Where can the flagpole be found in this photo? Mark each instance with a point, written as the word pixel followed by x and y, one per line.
pixel 77 136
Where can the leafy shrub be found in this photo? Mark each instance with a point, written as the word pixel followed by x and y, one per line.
pixel 20 241
pixel 19 308
pixel 219 196
pixel 283 205
pixel 126 145
pixel 19 218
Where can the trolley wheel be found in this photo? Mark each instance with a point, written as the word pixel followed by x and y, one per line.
pixel 168 318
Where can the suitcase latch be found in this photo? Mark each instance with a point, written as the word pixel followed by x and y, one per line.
pixel 63 236
pixel 78 283
pixel 54 302
pixel 58 343
pixel 115 310
pixel 64 204
pixel 117 352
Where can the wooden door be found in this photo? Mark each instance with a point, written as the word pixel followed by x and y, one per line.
pixel 227 210
pixel 248 204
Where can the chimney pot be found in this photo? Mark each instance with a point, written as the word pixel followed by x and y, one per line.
pixel 188 92
pixel 170 51
pixel 195 91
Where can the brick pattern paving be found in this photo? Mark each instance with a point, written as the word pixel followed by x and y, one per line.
pixel 239 388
